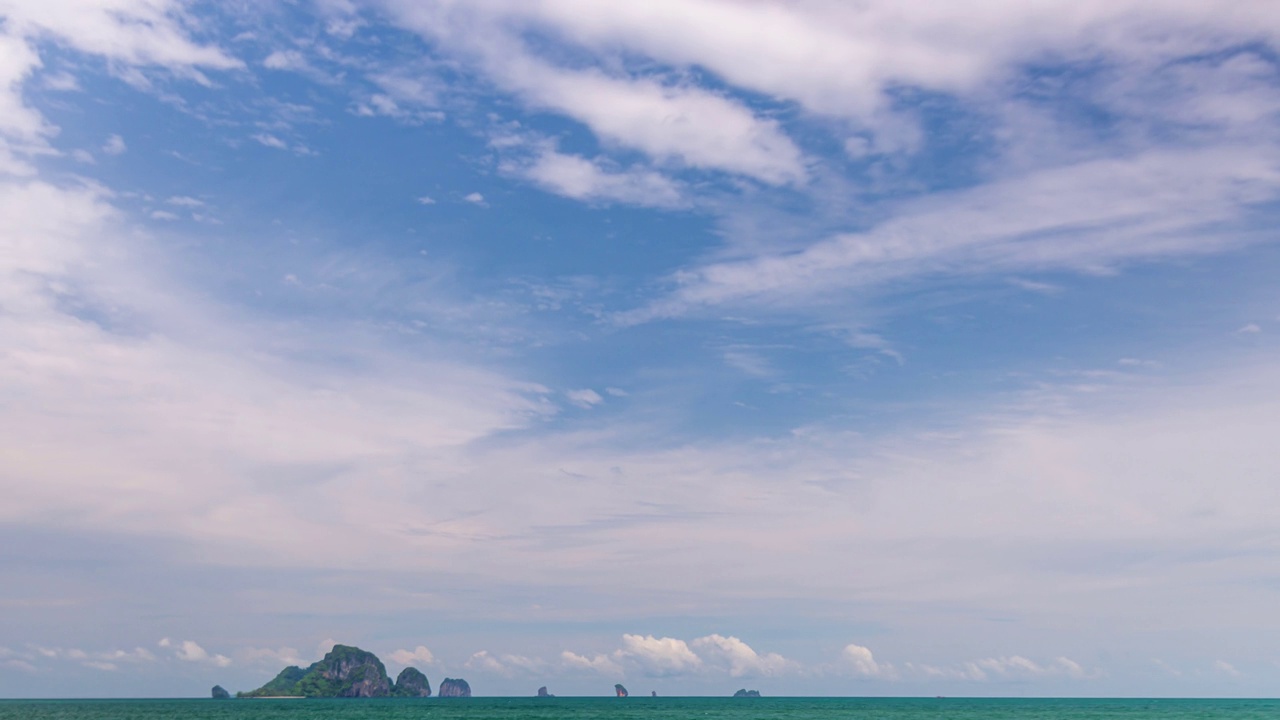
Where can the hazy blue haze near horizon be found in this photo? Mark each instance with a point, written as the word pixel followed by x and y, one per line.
pixel 824 348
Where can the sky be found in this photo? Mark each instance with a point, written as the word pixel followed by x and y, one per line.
pixel 814 347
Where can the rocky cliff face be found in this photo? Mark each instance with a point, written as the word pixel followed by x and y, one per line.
pixel 345 671
pixel 411 683
pixel 350 672
pixel 621 691
pixel 452 688
pixel 220 693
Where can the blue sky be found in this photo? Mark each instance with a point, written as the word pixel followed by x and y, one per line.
pixel 692 344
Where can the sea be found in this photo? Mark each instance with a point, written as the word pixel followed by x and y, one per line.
pixel 645 708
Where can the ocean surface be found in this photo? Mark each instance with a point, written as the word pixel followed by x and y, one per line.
pixel 645 708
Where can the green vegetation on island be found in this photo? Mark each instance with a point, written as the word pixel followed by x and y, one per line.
pixel 345 672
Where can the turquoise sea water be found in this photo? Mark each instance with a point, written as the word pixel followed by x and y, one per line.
pixel 643 708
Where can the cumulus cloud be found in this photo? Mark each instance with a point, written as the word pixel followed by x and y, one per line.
pixel 419 654
pixel 659 656
pixel 191 651
pixel 742 660
pixel 474 198
pixel 864 663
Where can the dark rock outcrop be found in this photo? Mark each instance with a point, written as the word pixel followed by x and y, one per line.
pixel 621 691
pixel 747 693
pixel 345 671
pixel 220 693
pixel 542 692
pixel 411 683
pixel 455 688
pixel 653 693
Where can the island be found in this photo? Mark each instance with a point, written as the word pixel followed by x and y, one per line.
pixel 220 693
pixel 621 691
pixel 747 693
pixel 542 692
pixel 347 672
pixel 455 688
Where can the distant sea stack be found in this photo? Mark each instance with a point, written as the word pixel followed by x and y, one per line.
pixel 411 683
pixel 455 688
pixel 622 692
pixel 747 693
pixel 542 692
pixel 220 693
pixel 345 672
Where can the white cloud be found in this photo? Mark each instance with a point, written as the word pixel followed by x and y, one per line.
pixel 584 398
pixel 602 664
pixel 1079 217
pixel 268 656
pixel 743 661
pixel 1249 329
pixel 484 661
pixel 185 201
pixel 669 121
pixel 132 32
pixel 270 141
pixel 1006 668
pixel 319 418
pixel 190 651
pixel 845 60
pixel 507 665
pixel 659 656
pixel 576 177
pixel 474 198
pixel 60 81
pixel 1226 668
pixel 864 663
pixel 162 215
pixel 419 654
pixel 114 146
pixel 285 60
pixel 426 200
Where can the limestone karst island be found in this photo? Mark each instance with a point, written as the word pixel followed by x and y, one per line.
pixel 349 672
